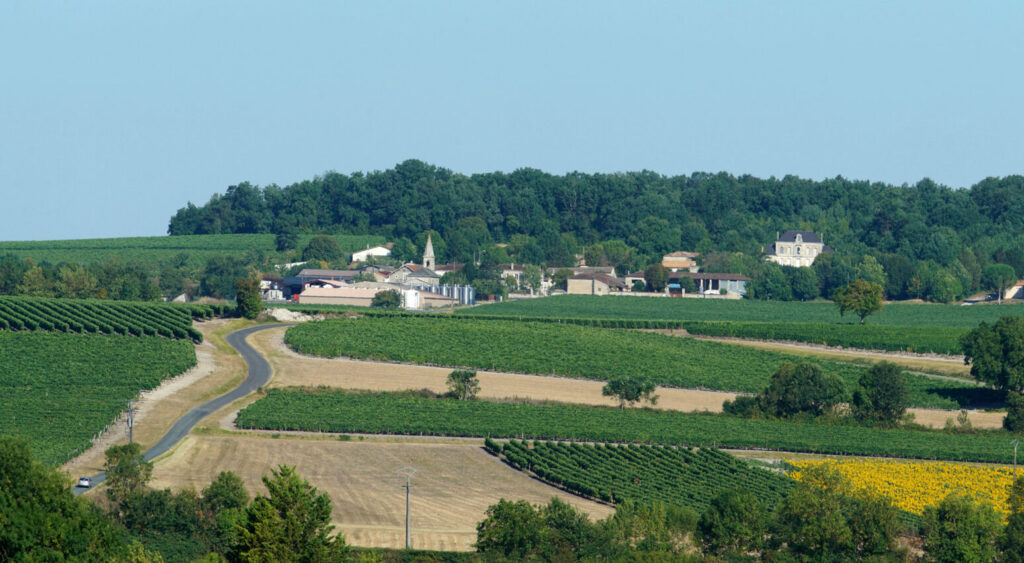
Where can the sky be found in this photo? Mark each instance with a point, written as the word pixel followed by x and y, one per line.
pixel 113 115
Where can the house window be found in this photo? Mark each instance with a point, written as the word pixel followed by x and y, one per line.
pixel 799 238
pixel 798 249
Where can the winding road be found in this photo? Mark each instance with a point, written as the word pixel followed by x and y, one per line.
pixel 258 375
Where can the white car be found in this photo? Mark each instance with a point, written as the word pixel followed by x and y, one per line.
pixel 84 482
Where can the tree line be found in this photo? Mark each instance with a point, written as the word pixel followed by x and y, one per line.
pixel 923 241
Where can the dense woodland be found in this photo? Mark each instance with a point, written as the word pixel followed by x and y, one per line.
pixel 924 241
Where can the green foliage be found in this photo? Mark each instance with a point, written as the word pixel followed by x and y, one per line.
pixel 656 277
pixel 511 529
pixel 463 384
pixel 861 297
pixel 127 471
pixel 108 317
pixel 568 350
pixel 41 520
pixel 1014 420
pixel 387 299
pixel 630 390
pixel 822 520
pixel 60 389
pixel 882 395
pixel 390 413
pixel 733 523
pixel 291 523
pixel 644 473
pixel 800 389
pixel 249 297
pixel 960 529
pixel 323 248
pixel 996 353
pixel 1012 540
pixel 286 241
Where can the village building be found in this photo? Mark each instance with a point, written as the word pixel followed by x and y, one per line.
pixel 594 284
pixel 796 248
pixel 735 284
pixel 680 261
pixel 373 251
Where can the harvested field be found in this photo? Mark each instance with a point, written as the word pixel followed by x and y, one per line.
pixel 293 369
pixel 454 485
pixel 937 418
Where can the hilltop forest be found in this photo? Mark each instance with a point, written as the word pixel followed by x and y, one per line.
pixel 921 241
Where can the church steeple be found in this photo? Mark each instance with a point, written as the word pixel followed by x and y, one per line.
pixel 428 255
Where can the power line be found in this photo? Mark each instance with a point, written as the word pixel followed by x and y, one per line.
pixel 407 472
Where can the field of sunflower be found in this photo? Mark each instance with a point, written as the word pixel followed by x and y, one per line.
pixel 913 485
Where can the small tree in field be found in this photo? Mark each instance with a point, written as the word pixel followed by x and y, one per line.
pixel 882 395
pixel 861 297
pixel 463 384
pixel 630 390
pixel 250 302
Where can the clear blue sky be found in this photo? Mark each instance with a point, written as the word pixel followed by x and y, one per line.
pixel 115 114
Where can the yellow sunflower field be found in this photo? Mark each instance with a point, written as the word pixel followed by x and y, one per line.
pixel 913 485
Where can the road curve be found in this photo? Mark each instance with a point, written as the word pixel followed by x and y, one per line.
pixel 259 375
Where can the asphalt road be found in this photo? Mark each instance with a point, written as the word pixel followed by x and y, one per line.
pixel 259 375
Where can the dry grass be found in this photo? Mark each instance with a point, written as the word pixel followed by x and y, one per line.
pixel 454 485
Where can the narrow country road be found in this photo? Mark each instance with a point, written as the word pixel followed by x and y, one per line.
pixel 259 374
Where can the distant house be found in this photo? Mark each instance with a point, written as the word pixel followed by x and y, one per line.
pixel 796 248
pixel 414 274
pixel 594 284
pixel 633 277
pixel 713 283
pixel 272 289
pixel 680 261
pixel 514 271
pixel 296 284
pixel 414 299
pixel 363 255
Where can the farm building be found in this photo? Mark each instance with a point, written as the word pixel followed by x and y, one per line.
pixel 594 284
pixel 364 255
pixel 713 283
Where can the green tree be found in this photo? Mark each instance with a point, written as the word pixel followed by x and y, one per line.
pixel 960 530
pixel 249 297
pixel 532 278
pixel 387 299
pixel 998 278
pixel 559 279
pixel 323 248
pixel 803 282
pixel 687 284
pixel 40 518
pixel 652 527
pixel 463 384
pixel 127 471
pixel 810 519
pixel 734 523
pixel 1012 541
pixel 1014 420
pixel 861 297
pixel 656 277
pixel 291 523
pixel 770 282
pixel 630 390
pixel 286 240
pixel 882 395
pixel 800 388
pixel 996 353
pixel 870 270
pixel 35 284
pixel 514 530
pixel 75 282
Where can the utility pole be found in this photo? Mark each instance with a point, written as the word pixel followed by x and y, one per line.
pixel 407 472
pixel 131 420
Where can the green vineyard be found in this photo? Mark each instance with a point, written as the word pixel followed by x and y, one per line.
pixel 323 410
pixel 644 473
pixel 60 389
pixel 106 317
pixel 571 350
